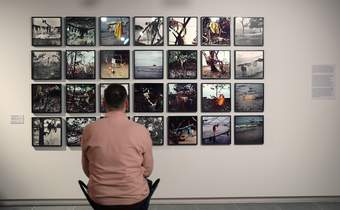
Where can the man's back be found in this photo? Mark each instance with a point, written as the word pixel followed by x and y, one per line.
pixel 117 156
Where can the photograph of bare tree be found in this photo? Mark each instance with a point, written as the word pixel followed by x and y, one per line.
pixel 103 86
pixel 215 64
pixel 80 98
pixel 75 127
pixel 215 31
pixel 182 130
pixel 114 31
pixel 46 65
pixel 248 31
pixel 80 31
pixel 46 31
pixel 149 31
pixel 182 64
pixel 216 130
pixel 114 64
pixel 148 64
pixel 46 131
pixel 249 129
pixel 46 98
pixel 155 125
pixel 182 97
pixel 148 97
pixel 216 97
pixel 249 64
pixel 182 31
pixel 80 64
pixel 249 97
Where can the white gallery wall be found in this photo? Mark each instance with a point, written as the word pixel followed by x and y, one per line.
pixel 300 155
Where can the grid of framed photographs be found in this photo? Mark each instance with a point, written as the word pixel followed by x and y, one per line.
pixel 185 87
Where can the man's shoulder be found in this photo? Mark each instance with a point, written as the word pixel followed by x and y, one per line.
pixel 137 126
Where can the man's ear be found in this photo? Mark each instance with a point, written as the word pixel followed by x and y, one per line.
pixel 126 104
pixel 105 104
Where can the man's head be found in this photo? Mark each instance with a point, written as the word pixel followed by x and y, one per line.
pixel 115 98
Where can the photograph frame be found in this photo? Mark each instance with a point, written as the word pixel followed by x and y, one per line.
pixel 95 65
pixel 60 101
pixel 201 98
pixel 201 66
pixel 101 98
pixel 46 146
pixel 262 130
pixel 82 84
pixel 100 65
pixel 167 94
pixel 168 30
pixel 235 107
pixel 134 97
pixel 163 127
pixel 61 32
pixel 59 69
pixel 134 64
pixel 100 33
pixel 235 65
pixel 242 45
pixel 134 30
pixel 80 45
pixel 67 130
pixel 168 130
pixel 168 63
pixel 218 45
pixel 230 130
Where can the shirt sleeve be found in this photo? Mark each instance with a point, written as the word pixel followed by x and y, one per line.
pixel 148 157
pixel 84 160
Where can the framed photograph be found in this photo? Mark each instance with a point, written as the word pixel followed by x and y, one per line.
pixel 182 130
pixel 46 64
pixel 114 31
pixel 182 97
pixel 216 97
pixel 248 31
pixel 103 86
pixel 215 64
pixel 80 31
pixel 155 125
pixel 182 31
pixel 80 98
pixel 46 31
pixel 148 31
pixel 215 31
pixel 182 64
pixel 216 130
pixel 80 64
pixel 46 131
pixel 46 98
pixel 74 129
pixel 249 97
pixel 148 97
pixel 249 129
pixel 148 64
pixel 114 64
pixel 249 64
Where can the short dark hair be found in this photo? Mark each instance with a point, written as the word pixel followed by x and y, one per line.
pixel 115 95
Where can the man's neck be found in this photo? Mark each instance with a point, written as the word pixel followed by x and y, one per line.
pixel 115 113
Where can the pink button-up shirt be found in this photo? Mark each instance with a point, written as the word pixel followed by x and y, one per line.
pixel 117 156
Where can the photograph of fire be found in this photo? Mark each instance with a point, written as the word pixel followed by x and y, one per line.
pixel 216 97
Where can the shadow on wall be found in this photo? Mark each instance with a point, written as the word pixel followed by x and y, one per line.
pixel 90 3
pixel 175 3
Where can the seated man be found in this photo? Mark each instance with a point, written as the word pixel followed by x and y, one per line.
pixel 117 155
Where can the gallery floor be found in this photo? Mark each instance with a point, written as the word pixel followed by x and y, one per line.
pixel 232 206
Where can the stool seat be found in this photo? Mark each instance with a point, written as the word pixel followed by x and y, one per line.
pixel 143 205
